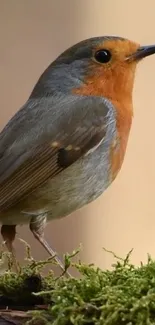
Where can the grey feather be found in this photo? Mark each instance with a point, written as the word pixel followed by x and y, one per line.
pixel 52 114
pixel 48 119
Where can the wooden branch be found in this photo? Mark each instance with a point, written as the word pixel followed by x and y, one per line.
pixel 17 317
pixel 14 317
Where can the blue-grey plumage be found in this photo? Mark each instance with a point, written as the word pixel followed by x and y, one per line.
pixel 65 146
pixel 88 174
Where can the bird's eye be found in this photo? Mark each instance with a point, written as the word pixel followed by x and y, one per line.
pixel 103 56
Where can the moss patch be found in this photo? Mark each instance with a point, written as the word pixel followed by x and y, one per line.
pixel 123 295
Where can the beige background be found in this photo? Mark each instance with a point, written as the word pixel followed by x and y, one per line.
pixel 32 34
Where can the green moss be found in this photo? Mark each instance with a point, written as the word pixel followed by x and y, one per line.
pixel 124 295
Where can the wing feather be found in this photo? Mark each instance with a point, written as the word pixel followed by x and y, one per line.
pixel 26 163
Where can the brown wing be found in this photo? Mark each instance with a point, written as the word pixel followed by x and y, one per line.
pixel 46 160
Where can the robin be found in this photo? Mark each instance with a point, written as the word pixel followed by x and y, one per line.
pixel 67 143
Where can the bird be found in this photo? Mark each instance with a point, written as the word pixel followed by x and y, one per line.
pixel 66 145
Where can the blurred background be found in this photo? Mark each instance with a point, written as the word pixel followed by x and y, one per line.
pixel 33 33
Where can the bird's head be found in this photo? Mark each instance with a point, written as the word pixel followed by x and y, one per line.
pixel 99 66
pixel 104 66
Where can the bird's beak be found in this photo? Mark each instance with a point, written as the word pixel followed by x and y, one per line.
pixel 141 53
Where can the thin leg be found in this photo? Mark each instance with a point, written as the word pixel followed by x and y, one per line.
pixel 8 233
pixel 37 226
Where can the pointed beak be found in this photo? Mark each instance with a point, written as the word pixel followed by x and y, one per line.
pixel 141 53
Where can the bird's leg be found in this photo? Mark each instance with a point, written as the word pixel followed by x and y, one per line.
pixel 37 226
pixel 8 233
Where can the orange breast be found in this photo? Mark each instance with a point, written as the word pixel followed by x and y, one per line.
pixel 118 148
pixel 120 94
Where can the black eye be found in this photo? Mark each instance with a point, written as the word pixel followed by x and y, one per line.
pixel 103 56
